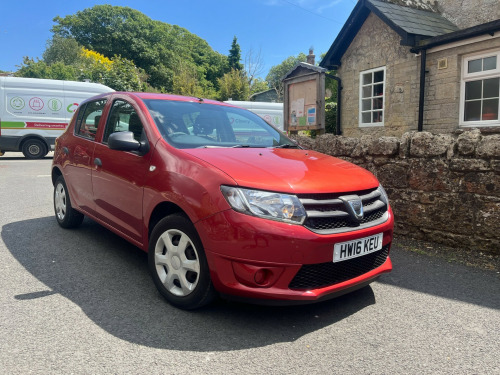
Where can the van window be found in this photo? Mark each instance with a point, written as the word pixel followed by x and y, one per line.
pixel 123 117
pixel 247 131
pixel 87 124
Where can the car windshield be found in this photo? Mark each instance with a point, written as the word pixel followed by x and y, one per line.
pixel 204 125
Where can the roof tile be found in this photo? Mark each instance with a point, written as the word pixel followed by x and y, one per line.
pixel 414 21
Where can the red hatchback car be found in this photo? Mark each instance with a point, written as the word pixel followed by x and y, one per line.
pixel 223 202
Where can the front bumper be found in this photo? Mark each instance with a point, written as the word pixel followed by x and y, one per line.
pixel 264 260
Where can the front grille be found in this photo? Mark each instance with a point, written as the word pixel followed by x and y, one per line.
pixel 313 276
pixel 328 213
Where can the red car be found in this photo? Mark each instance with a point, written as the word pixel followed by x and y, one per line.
pixel 223 202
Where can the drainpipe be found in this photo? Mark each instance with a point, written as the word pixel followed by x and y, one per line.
pixel 423 58
pixel 338 130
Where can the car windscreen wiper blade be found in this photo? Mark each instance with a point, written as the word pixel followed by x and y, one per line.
pixel 286 145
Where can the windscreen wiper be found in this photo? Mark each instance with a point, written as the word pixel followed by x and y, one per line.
pixel 286 145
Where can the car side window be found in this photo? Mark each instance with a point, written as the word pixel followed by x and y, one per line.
pixel 88 119
pixel 123 117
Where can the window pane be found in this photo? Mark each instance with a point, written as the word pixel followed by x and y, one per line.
pixel 378 76
pixel 378 90
pixel 472 111
pixel 377 103
pixel 366 118
pixel 473 90
pixel 490 63
pixel 490 109
pixel 490 88
pixel 366 105
pixel 79 119
pixel 377 116
pixel 91 117
pixel 475 66
pixel 367 91
pixel 367 78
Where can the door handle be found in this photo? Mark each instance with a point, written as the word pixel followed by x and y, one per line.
pixel 98 162
pixel 66 150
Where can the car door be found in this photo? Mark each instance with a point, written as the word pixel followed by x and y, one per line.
pixel 118 176
pixel 80 148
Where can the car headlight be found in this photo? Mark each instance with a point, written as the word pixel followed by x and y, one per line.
pixel 265 204
pixel 383 195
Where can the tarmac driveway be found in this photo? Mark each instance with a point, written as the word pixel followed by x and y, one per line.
pixel 81 301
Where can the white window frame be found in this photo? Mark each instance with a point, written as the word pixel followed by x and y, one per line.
pixel 361 74
pixel 468 77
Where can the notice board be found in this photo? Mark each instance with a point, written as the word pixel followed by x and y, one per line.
pixel 304 102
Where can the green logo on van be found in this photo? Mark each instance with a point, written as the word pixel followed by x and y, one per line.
pixel 17 103
pixel 54 104
pixel 72 107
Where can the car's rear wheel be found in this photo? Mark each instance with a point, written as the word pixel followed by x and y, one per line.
pixel 66 215
pixel 178 264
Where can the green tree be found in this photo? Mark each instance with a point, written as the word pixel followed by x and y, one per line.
pixel 277 72
pixel 65 50
pixel 124 76
pixel 118 73
pixel 234 57
pixel 234 85
pixel 39 69
pixel 331 102
pixel 258 85
pixel 186 82
pixel 156 47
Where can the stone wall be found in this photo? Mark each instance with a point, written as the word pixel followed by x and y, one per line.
pixel 442 188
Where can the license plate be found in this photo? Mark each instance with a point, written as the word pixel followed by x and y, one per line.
pixel 357 248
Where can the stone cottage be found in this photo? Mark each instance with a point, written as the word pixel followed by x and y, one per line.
pixel 418 65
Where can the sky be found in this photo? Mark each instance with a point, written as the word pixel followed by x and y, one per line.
pixel 275 28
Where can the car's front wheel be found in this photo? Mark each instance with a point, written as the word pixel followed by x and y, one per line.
pixel 178 264
pixel 66 215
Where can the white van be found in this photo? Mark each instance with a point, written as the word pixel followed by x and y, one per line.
pixel 271 112
pixel 34 112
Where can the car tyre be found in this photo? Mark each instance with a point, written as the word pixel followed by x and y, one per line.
pixel 66 216
pixel 34 149
pixel 178 263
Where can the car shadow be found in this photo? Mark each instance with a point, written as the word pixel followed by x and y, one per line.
pixel 108 279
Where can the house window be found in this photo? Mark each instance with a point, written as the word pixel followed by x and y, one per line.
pixel 372 97
pixel 480 90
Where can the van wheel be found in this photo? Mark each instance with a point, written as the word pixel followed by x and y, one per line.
pixel 178 264
pixel 34 149
pixel 66 215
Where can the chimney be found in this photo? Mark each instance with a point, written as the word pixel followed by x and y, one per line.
pixel 311 57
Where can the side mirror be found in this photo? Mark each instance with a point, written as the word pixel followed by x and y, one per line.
pixel 123 141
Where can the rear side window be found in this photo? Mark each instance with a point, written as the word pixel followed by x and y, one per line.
pixel 88 119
